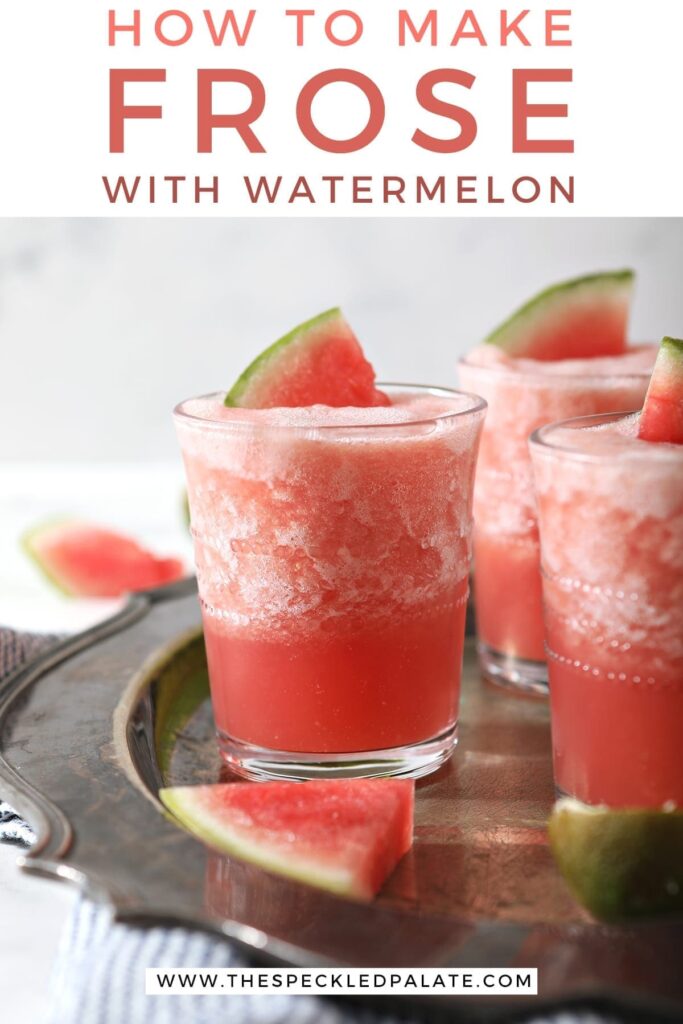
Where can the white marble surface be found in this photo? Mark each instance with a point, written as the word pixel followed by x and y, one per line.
pixel 144 500
pixel 105 325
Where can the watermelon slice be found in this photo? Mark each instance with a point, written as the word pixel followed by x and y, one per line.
pixel 318 363
pixel 662 415
pixel 88 561
pixel 345 835
pixel 576 319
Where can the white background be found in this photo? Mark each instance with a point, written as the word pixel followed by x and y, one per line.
pixel 105 325
pixel 624 106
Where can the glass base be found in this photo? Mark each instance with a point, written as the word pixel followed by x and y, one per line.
pixel 410 762
pixel 513 673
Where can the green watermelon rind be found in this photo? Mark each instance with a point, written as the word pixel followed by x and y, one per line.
pixel 546 302
pixel 28 540
pixel 199 821
pixel 671 355
pixel 259 367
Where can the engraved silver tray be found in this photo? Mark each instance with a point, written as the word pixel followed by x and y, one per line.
pixel 92 729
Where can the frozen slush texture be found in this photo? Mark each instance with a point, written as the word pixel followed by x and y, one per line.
pixel 611 516
pixel 333 550
pixel 522 395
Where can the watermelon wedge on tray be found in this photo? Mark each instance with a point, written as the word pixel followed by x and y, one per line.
pixel 662 415
pixel 577 319
pixel 84 560
pixel 344 835
pixel 320 362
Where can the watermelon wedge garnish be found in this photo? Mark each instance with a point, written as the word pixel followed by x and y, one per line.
pixel 577 319
pixel 345 835
pixel 88 561
pixel 320 362
pixel 662 415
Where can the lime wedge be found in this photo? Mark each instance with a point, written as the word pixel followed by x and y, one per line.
pixel 619 864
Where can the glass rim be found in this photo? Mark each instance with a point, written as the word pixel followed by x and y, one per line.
pixel 477 405
pixel 540 441
pixel 539 378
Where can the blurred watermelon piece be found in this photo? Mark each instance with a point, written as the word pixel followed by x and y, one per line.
pixel 85 560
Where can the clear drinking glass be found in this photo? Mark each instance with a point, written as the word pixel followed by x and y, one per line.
pixel 333 550
pixel 610 510
pixel 523 395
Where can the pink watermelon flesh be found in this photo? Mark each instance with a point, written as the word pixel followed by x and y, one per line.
pixel 577 319
pixel 320 362
pixel 89 561
pixel 344 835
pixel 662 415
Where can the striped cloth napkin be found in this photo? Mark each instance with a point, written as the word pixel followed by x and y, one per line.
pixel 99 973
